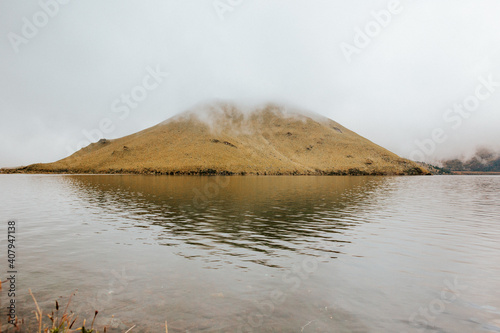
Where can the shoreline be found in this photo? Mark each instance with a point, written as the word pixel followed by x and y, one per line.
pixel 476 173
pixel 211 172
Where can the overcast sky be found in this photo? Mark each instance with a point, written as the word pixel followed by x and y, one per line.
pixel 390 70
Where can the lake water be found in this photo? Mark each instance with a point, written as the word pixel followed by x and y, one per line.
pixel 258 254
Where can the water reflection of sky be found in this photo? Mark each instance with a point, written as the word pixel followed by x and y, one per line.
pixel 348 253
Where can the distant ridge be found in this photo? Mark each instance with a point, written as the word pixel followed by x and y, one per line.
pixel 222 139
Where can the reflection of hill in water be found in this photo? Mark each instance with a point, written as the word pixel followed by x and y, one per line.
pixel 254 218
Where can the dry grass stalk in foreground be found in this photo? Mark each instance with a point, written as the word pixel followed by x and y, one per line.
pixel 63 324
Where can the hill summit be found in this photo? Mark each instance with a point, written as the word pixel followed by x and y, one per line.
pixel 222 139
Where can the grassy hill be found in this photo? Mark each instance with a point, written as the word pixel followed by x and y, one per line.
pixel 221 139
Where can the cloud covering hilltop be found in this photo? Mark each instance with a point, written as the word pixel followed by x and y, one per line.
pixel 221 139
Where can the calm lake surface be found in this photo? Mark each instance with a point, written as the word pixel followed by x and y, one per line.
pixel 258 254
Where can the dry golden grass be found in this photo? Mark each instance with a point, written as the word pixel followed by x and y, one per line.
pixel 58 323
pixel 221 139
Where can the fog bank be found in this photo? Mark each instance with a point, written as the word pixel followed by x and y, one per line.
pixel 419 78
